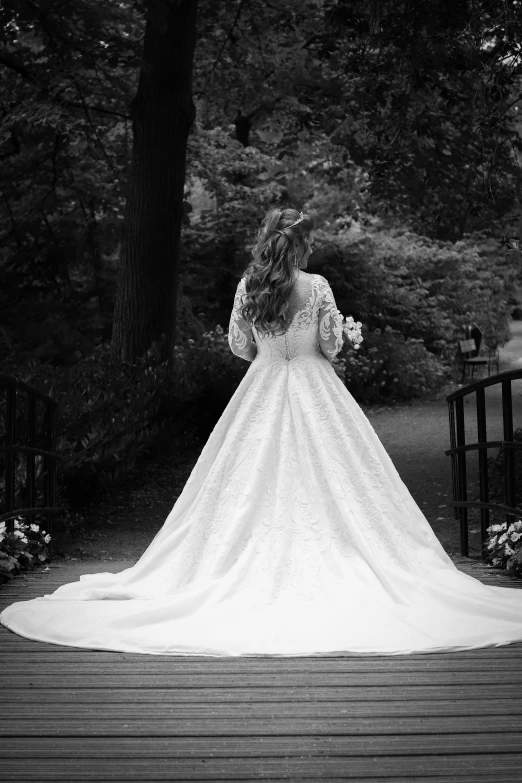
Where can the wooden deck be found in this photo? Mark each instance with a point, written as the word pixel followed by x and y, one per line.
pixel 70 714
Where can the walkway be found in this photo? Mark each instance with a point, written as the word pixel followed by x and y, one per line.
pixel 73 715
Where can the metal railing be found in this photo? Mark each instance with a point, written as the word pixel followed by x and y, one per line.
pixel 29 432
pixel 459 449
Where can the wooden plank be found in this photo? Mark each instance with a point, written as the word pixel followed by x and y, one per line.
pixel 251 747
pixel 130 726
pixel 33 651
pixel 506 777
pixel 245 680
pixel 40 713
pixel 443 778
pixel 83 714
pixel 338 668
pixel 494 694
pixel 305 768
pixel 457 778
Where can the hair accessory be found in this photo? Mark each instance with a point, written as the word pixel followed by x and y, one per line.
pixel 301 217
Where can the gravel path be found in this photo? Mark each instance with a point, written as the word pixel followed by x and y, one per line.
pixel 416 437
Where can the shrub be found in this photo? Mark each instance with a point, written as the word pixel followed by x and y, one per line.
pixel 423 288
pixel 111 412
pixel 23 549
pixel 390 367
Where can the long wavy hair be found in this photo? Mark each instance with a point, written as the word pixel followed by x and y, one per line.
pixel 269 275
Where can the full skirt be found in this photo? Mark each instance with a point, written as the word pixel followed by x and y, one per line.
pixel 293 536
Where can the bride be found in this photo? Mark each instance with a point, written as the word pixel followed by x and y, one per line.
pixel 294 534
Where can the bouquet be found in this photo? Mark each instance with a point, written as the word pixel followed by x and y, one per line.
pixel 352 330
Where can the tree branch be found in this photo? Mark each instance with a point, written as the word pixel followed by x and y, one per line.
pixel 222 49
pixel 93 126
pixel 99 109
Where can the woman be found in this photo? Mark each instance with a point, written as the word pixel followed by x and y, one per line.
pixel 294 534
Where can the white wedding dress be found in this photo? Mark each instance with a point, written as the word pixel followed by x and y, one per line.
pixel 293 536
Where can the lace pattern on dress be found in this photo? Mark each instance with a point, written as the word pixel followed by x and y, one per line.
pixel 314 325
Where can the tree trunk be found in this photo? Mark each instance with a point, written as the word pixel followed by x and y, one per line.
pixel 162 114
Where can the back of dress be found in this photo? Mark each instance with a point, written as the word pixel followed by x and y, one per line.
pixel 314 325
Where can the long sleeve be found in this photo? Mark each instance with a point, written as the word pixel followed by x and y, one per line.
pixel 240 337
pixel 330 322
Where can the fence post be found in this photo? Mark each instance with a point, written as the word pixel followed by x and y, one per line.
pixel 483 461
pixel 50 468
pixel 31 442
pixel 10 419
pixel 453 457
pixel 507 415
pixel 461 470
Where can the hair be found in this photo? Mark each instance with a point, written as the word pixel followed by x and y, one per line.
pixel 269 275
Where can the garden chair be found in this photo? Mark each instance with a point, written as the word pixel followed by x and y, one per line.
pixel 470 356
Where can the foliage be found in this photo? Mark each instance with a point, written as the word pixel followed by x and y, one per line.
pixel 241 184
pixel 423 98
pixel 359 112
pixel 111 412
pixel 389 367
pixel 504 547
pixel 66 81
pixel 23 549
pixel 426 289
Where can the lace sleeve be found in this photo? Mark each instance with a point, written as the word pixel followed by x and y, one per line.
pixel 240 338
pixel 330 321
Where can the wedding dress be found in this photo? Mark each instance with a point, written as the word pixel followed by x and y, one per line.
pixel 293 536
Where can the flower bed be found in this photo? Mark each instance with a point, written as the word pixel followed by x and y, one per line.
pixel 504 546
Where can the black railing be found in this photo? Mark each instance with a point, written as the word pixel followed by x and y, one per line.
pixel 459 449
pixel 28 430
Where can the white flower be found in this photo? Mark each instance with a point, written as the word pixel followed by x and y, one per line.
pixel 515 536
pixel 495 528
pixel 352 329
pixel 1 537
pixel 47 538
pixel 502 538
pixel 18 534
pixel 508 550
pixel 35 528
pixel 518 525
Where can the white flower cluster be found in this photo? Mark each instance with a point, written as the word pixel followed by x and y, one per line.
pixel 20 530
pixel 506 535
pixel 352 330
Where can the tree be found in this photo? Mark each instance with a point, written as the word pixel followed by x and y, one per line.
pixel 421 94
pixel 66 82
pixel 162 114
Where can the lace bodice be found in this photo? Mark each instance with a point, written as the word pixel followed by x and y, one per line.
pixel 314 329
